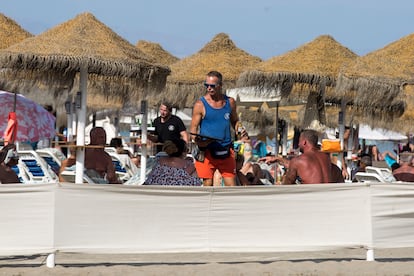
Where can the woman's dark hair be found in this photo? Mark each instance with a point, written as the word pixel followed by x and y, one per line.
pixel 175 147
pixel 116 142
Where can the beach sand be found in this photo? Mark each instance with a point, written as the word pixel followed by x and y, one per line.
pixel 339 262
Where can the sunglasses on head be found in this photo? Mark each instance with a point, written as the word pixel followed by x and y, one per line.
pixel 207 85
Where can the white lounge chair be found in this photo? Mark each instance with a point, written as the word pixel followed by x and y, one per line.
pixel 34 169
pixel 384 173
pixel 368 177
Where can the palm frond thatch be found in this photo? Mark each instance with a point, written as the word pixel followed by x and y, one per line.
pixel 323 56
pixel 57 54
pixel 316 63
pixel 184 85
pixel 11 32
pixel 377 80
pixel 155 51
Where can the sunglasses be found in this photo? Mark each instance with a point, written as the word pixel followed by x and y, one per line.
pixel 207 85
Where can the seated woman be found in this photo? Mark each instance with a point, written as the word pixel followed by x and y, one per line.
pixel 174 169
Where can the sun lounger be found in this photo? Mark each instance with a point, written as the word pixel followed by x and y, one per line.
pixel 368 177
pixel 384 173
pixel 33 169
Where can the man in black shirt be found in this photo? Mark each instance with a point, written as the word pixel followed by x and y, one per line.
pixel 167 127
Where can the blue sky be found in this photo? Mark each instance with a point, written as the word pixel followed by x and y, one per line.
pixel 264 28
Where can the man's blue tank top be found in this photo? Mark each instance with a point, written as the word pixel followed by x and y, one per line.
pixel 216 122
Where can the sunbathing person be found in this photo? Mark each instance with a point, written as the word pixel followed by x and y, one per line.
pixel 8 159
pixel 127 157
pixel 68 162
pixel 312 166
pixel 98 163
pixel 247 173
pixel 405 172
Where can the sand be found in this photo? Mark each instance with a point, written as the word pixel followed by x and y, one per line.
pixel 340 262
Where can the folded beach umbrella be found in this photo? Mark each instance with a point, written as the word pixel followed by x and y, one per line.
pixel 185 84
pixel 157 52
pixel 84 46
pixel 382 85
pixel 11 129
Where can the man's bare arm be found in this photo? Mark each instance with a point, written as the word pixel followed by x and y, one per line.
pixel 196 117
pixel 291 173
pixel 184 136
pixel 110 171
pixel 234 117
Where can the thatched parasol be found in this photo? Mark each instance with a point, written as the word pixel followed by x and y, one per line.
pixel 380 81
pixel 11 32
pixel 56 55
pixel 304 74
pixel 155 51
pixel 86 46
pixel 184 85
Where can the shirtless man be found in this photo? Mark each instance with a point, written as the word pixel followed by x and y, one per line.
pixel 97 159
pixel 311 167
pixel 405 172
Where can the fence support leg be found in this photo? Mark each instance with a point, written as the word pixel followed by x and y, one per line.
pixel 370 255
pixel 50 260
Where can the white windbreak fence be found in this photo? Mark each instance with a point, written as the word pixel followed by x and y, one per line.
pixel 45 218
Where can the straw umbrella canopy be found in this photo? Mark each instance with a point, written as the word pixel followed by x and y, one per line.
pixel 85 46
pixel 304 74
pixel 155 51
pixel 11 32
pixel 381 84
pixel 184 85
pixel 53 59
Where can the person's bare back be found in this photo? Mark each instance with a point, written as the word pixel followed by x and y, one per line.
pixel 97 159
pixel 309 168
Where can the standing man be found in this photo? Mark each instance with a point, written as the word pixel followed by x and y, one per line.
pixel 214 115
pixel 311 167
pixel 167 127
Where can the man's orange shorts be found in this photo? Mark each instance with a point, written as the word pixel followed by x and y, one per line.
pixel 206 169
